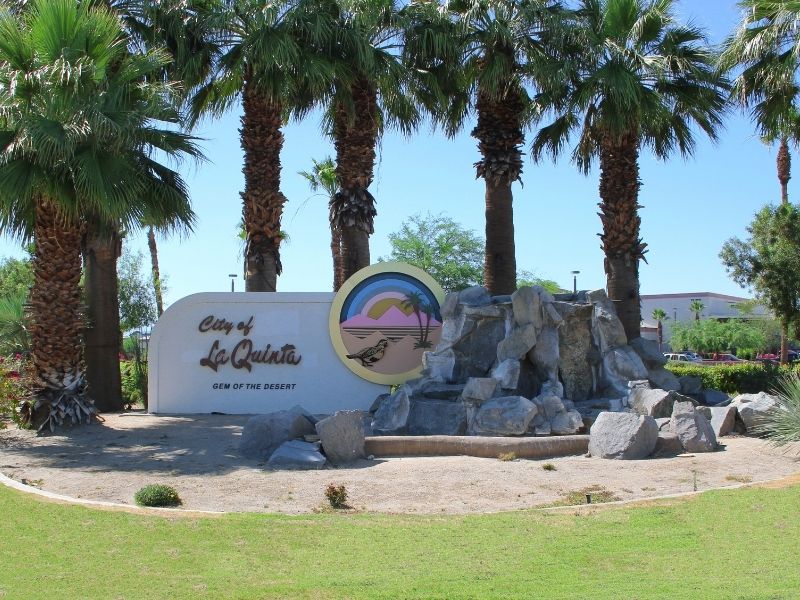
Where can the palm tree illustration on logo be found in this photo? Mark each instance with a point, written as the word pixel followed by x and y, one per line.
pixel 414 301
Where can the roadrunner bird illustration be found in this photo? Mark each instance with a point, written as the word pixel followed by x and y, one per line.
pixel 372 354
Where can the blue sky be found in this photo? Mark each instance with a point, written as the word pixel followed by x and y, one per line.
pixel 690 207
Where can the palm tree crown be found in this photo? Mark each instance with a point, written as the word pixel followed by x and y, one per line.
pixel 635 78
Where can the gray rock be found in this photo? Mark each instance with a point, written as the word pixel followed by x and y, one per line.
pixel 693 429
pixel 722 418
pixel 577 355
pixel 623 436
pixel 656 403
pixel 527 307
pixel 715 398
pixel 342 436
pixel 262 434
pixel 607 328
pixel 664 423
pixel 509 415
pixel 439 365
pixel 474 296
pixel 391 417
pixel 490 311
pixel 543 429
pixel 434 390
pixel 437 417
pixel 449 307
pixel 481 389
pixel 476 353
pixel 553 388
pixel 621 365
pixel 566 423
pixel 639 383
pixel 545 354
pixel 296 455
pixel 663 379
pixel 507 374
pixel 754 408
pixel 517 344
pixel 667 444
pixel 648 351
pixel 549 406
pixel 376 404
pixel 691 386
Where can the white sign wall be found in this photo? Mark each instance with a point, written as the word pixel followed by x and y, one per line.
pixel 250 353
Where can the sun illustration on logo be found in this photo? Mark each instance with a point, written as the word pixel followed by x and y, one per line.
pixel 384 318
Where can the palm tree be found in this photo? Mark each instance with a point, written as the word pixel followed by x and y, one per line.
pixel 660 315
pixel 414 301
pixel 637 79
pixel 369 91
pixel 78 128
pixel 696 306
pixel 267 62
pixel 497 49
pixel 323 175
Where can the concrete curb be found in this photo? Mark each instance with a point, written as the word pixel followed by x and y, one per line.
pixel 482 447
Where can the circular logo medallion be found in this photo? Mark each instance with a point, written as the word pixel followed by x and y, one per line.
pixel 382 320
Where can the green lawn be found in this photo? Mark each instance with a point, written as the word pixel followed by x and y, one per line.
pixel 726 544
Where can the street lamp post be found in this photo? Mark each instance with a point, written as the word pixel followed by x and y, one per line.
pixel 233 278
pixel 674 314
pixel 575 282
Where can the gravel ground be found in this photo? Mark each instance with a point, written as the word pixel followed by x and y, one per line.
pixel 198 456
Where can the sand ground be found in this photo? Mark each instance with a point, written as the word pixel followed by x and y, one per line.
pixel 198 456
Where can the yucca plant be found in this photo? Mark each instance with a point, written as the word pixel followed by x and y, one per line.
pixel 782 424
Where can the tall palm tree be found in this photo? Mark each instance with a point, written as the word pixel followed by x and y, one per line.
pixel 498 50
pixel 696 306
pixel 79 125
pixel 660 315
pixel 637 79
pixel 266 62
pixel 369 91
pixel 323 176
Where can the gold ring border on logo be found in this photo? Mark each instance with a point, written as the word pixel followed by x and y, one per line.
pixel 339 300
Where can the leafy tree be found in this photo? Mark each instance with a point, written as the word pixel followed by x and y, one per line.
pixel 696 307
pixel 711 335
pixel 635 78
pixel 769 263
pixel 450 253
pixel 16 277
pixel 137 302
pixel 529 279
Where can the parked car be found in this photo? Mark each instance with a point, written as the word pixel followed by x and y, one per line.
pixel 725 358
pixel 679 357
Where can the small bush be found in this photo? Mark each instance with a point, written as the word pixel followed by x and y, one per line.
pixel 134 382
pixel 336 495
pixel 549 467
pixel 157 494
pixel 748 378
pixel 507 456
pixel 15 388
pixel 781 425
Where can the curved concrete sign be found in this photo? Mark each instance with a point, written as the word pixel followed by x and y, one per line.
pixel 250 353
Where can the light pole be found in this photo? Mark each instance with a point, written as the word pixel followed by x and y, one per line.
pixel 674 314
pixel 233 278
pixel 575 282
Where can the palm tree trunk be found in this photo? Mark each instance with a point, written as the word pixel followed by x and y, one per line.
pixel 352 208
pixel 151 243
pixel 621 243
pixel 660 334
pixel 784 169
pixel 336 256
pixel 102 333
pixel 499 135
pixel 56 318
pixel 262 141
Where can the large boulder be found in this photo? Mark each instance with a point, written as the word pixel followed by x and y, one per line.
pixel 342 436
pixel 509 415
pixel 527 305
pixel 722 418
pixel 620 366
pixel 481 389
pixel 474 296
pixel 656 403
pixel 668 444
pixel 295 454
pixel 262 434
pixel 507 374
pixel 476 352
pixel 437 417
pixel 691 386
pixel 517 344
pixel 439 365
pixel 623 436
pixel 754 408
pixel 545 354
pixel 566 423
pixel 661 378
pixel 391 417
pixel 578 357
pixel 693 429
pixel 648 351
pixel 607 329
pixel 714 398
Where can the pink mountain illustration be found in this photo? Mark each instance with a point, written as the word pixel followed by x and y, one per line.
pixel 394 317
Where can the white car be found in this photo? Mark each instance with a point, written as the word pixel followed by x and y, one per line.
pixel 680 357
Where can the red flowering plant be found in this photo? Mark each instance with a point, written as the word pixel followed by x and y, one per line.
pixel 15 387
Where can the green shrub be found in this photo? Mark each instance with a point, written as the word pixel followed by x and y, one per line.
pixel 134 382
pixel 336 495
pixel 157 494
pixel 15 388
pixel 507 456
pixel 782 424
pixel 747 378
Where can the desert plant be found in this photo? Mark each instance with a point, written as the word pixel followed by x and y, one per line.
pixel 507 456
pixel 336 495
pixel 15 387
pixel 157 494
pixel 134 382
pixel 782 424
pixel 549 467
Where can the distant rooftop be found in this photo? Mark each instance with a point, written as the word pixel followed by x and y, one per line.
pixel 725 297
